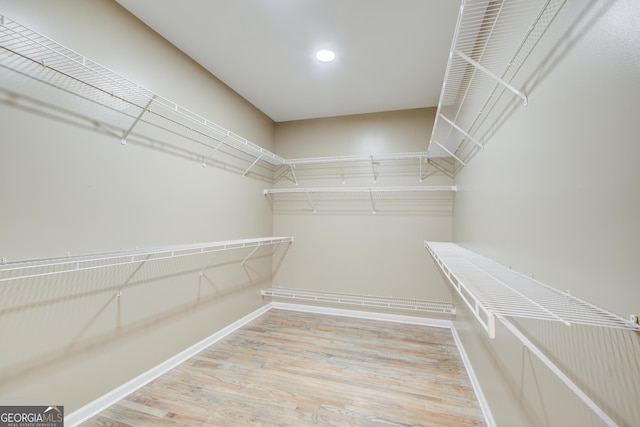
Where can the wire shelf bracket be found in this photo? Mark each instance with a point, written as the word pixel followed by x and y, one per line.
pixel 133 125
pixel 494 77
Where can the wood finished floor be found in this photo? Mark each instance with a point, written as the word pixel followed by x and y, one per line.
pixel 291 368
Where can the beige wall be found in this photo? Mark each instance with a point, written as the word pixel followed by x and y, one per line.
pixel 69 188
pixel 556 194
pixel 343 246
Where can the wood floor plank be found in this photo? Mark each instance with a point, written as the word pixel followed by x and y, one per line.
pixel 301 369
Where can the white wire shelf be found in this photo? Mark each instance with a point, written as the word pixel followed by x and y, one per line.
pixel 491 42
pixel 370 301
pixel 397 189
pixel 41 69
pixel 398 199
pixel 492 290
pixel 358 166
pixel 45 69
pixel 22 269
pixel 357 158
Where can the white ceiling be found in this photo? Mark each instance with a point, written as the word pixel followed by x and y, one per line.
pixel 390 54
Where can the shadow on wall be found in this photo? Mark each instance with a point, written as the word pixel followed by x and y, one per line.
pixel 603 362
pixel 201 150
pixel 53 318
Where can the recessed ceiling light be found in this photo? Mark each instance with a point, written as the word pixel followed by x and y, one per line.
pixel 325 55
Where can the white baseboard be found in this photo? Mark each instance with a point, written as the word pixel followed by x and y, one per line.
pixel 484 406
pixel 93 408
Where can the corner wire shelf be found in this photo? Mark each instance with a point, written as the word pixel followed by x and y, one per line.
pixel 80 84
pixel 23 269
pixel 493 291
pixel 369 301
pixel 491 42
pixel 366 192
pixel 46 71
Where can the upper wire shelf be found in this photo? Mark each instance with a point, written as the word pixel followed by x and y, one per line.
pixel 13 270
pixel 75 82
pixel 492 40
pixel 492 290
pixel 47 71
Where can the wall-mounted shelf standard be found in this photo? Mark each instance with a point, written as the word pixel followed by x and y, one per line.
pixel 367 301
pixel 492 41
pixel 495 292
pixel 14 270
pixel 38 67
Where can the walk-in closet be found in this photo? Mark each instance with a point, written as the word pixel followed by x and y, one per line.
pixel 202 223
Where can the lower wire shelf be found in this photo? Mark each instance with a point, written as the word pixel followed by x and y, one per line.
pixel 368 301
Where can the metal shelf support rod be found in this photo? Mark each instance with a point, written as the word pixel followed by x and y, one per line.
pixel 313 208
pixel 493 76
pixel 462 131
pixel 558 372
pixel 250 254
pixel 204 163
pixel 252 165
pixel 374 163
pixel 449 152
pixel 135 122
pixel 373 202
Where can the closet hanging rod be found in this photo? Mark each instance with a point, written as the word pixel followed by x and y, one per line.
pixel 419 188
pixel 71 263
